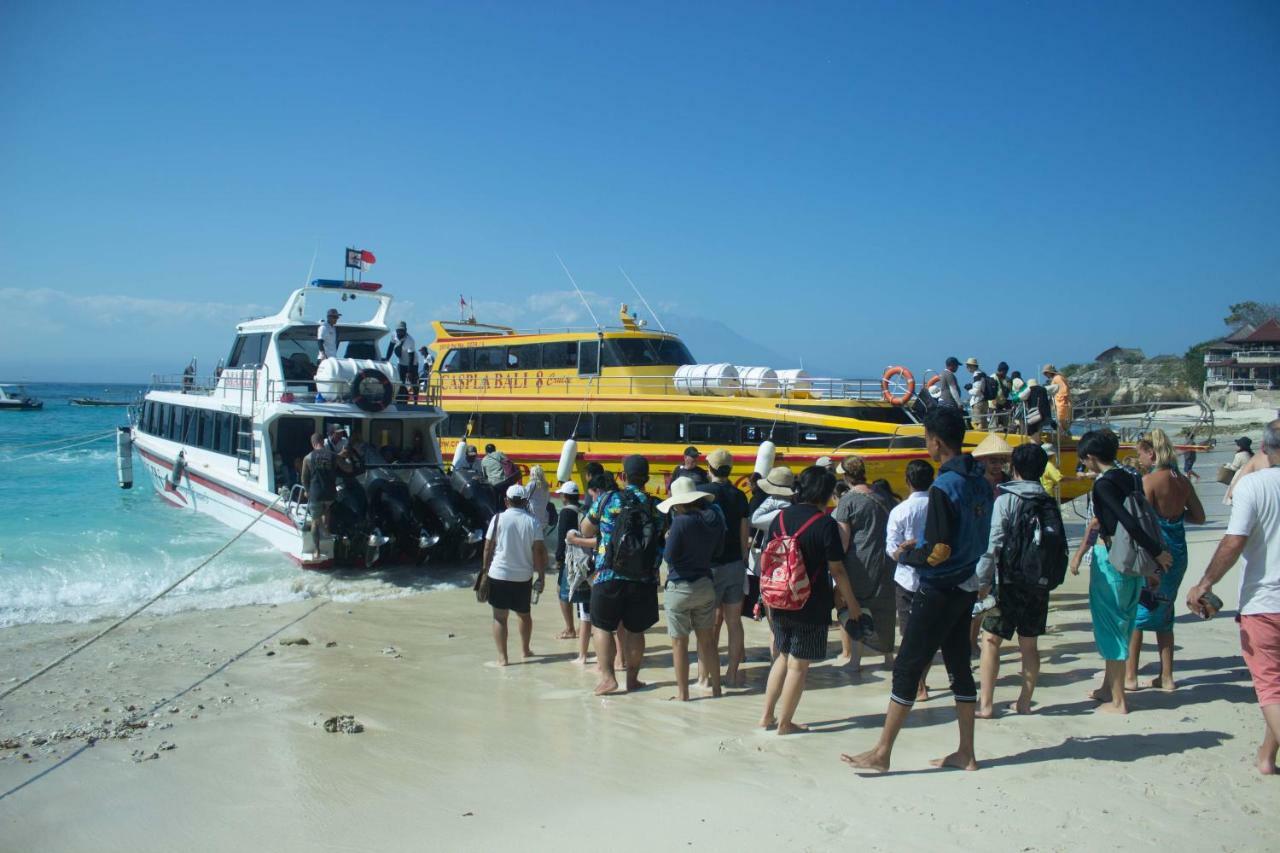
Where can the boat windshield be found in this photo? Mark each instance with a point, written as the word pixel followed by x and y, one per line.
pixel 645 352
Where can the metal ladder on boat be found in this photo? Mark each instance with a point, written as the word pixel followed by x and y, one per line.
pixel 246 450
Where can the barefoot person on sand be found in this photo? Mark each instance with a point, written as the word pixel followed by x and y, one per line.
pixel 957 528
pixel 729 569
pixel 697 531
pixel 1175 501
pixel 1020 546
pixel 513 552
pixel 1113 597
pixel 1254 533
pixel 906 524
pixel 800 636
pixel 624 591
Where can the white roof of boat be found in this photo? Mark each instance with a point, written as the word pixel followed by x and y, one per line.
pixel 294 311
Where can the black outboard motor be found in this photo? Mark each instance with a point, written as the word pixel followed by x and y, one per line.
pixel 477 496
pixel 348 518
pixel 444 512
pixel 390 508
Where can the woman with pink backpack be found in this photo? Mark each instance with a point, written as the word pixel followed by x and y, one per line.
pixel 802 557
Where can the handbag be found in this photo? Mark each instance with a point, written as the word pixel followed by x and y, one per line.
pixel 1225 474
pixel 1127 556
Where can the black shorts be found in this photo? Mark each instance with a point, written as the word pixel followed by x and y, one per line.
pixel 632 604
pixel 510 595
pixel 1022 609
pixel 798 639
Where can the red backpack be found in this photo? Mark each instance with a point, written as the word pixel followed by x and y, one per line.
pixel 784 578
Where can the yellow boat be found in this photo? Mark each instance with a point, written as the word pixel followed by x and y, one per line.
pixel 629 389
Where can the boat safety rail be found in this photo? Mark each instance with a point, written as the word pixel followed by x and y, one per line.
pixel 804 387
pixel 1130 421
pixel 248 386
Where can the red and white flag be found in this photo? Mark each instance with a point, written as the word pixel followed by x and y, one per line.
pixel 360 259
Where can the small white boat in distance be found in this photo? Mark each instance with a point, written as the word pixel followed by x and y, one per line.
pixel 14 398
pixel 231 444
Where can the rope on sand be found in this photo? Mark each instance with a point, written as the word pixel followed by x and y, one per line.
pixel 59 448
pixel 170 588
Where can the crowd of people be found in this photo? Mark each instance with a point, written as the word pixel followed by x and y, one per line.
pixel 968 559
pixel 1004 399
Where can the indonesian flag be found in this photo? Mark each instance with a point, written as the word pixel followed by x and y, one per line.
pixel 360 259
pixel 462 301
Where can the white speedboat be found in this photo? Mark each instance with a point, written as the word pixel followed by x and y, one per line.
pixel 232 445
pixel 14 398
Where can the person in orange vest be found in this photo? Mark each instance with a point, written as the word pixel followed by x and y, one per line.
pixel 1057 386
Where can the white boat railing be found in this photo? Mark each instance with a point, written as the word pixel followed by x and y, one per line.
pixel 251 391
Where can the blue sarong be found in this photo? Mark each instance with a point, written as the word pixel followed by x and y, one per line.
pixel 1160 616
pixel 1113 604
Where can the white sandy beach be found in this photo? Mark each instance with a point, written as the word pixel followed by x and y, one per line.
pixel 458 754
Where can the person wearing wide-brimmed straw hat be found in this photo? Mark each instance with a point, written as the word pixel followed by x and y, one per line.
pixel 780 482
pixel 697 530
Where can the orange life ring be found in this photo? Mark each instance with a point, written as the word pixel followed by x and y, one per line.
pixel 892 373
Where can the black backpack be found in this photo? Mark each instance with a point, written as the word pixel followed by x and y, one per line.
pixel 1035 545
pixel 990 388
pixel 632 551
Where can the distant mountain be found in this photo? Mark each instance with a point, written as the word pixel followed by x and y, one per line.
pixel 711 341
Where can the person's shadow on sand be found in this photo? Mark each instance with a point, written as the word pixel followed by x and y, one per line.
pixel 1124 747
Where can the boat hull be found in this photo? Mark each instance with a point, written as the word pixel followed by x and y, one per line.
pixel 232 504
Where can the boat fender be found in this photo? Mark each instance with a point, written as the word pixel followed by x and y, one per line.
pixel 765 456
pixel 124 457
pixel 179 468
pixel 460 452
pixel 891 374
pixel 371 390
pixel 568 455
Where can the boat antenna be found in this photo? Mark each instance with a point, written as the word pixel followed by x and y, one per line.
pixel 311 269
pixel 647 306
pixel 579 290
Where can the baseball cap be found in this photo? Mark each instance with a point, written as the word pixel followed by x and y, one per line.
pixel 515 492
pixel 332 312
pixel 691 451
pixel 402 325
pixel 720 458
pixel 569 488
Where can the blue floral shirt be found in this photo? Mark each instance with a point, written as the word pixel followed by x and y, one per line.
pixel 603 514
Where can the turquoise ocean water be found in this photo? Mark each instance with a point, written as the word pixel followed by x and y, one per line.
pixel 74 546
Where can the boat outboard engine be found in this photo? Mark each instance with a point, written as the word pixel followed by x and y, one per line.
pixel 477 496
pixel 443 511
pixel 348 519
pixel 390 507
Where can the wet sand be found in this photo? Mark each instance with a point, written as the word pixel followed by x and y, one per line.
pixel 456 753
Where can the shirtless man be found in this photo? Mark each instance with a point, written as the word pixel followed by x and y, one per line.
pixel 1174 499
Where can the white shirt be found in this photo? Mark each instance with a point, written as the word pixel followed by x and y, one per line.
pixel 513 545
pixel 328 337
pixel 906 521
pixel 1255 513
pixel 1240 460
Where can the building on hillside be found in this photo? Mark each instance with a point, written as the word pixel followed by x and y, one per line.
pixel 1119 353
pixel 1243 369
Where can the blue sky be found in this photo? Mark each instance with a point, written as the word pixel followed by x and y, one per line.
pixel 851 184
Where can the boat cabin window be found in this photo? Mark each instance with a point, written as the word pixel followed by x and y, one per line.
pixel 206 429
pixel 572 426
pixel 665 428
pixel 489 358
pixel 560 355
pixel 644 352
pixel 863 412
pixel 525 357
pixel 248 351
pixel 458 361
pixel 712 430
pixel 362 349
pixel 299 351
pixel 456 427
pixel 617 427
pixel 754 432
pixel 496 425
pixel 588 358
pixel 533 426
